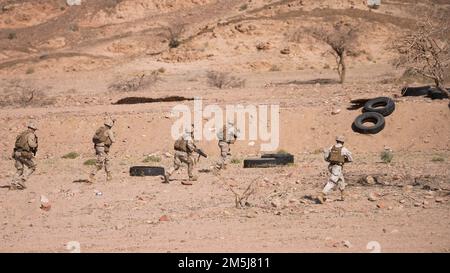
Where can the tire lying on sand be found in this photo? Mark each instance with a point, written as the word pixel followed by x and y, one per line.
pixel 415 91
pixel 282 158
pixel 146 171
pixel 374 117
pixel 382 105
pixel 260 162
pixel 434 94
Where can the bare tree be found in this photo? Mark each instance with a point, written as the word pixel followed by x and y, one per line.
pixel 342 38
pixel 173 33
pixel 425 50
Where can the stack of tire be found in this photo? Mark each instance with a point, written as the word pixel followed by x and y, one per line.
pixel 374 111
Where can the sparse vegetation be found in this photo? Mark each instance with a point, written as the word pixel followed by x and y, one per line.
pixel 29 71
pixel 241 199
pixel 426 50
pixel 12 35
pixel 151 159
pixel 243 7
pixel 74 27
pixel 20 93
pixel 71 155
pixel 224 80
pixel 136 82
pixel 282 152
pixel 90 162
pixel 342 39
pixel 387 156
pixel 437 159
pixel 173 34
pixel 235 161
pixel 275 68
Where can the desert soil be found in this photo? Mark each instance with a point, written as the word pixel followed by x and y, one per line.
pixel 70 56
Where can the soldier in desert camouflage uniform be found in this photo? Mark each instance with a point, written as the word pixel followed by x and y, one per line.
pixel 103 139
pixel 184 150
pixel 25 150
pixel 336 155
pixel 226 136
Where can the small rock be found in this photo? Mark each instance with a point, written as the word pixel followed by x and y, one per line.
pixel 335 111
pixel 347 244
pixel 417 204
pixel 45 203
pixel 251 143
pixel 277 212
pixel 275 203
pixel 73 2
pixel 373 197
pixel 164 218
pixel 439 200
pixel 425 203
pixel 119 227
pixel 266 180
pixel 285 50
pixel 168 155
pixel 293 200
pixel 370 180
pixel 394 231
pixel 263 45
pixel 380 205
pixel 402 201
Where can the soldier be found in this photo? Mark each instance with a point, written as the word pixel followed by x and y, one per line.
pixel 336 155
pixel 24 152
pixel 103 139
pixel 184 149
pixel 226 136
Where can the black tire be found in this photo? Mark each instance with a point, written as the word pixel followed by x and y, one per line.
pixel 373 105
pixel 377 118
pixel 415 91
pixel 260 162
pixel 436 94
pixel 146 171
pixel 282 159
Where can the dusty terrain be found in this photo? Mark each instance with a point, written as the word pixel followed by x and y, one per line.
pixel 69 57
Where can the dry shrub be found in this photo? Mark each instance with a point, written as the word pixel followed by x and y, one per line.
pixel 19 93
pixel 136 82
pixel 224 80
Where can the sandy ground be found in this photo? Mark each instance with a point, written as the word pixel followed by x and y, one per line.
pixel 73 55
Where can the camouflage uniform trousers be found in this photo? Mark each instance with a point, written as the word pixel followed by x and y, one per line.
pixel 25 166
pixel 178 159
pixel 102 160
pixel 225 151
pixel 336 178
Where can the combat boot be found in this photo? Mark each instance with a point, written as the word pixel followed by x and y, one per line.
pixel 343 195
pixel 321 198
pixel 165 178
pixel 108 177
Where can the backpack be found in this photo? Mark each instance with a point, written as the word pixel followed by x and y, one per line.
pixel 101 137
pixel 336 156
pixel 22 141
pixel 180 145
